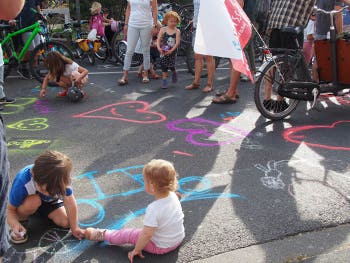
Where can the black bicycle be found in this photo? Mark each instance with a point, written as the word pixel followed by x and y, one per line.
pixel 284 80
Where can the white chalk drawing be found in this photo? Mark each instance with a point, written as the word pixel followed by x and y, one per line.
pixel 56 243
pixel 272 176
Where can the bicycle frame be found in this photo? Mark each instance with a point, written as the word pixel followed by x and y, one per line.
pixel 35 28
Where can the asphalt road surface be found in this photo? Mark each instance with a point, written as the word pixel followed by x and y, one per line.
pixel 244 180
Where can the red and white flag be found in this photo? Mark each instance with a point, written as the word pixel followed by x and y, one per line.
pixel 223 30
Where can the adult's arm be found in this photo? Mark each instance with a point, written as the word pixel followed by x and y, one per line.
pixel 9 9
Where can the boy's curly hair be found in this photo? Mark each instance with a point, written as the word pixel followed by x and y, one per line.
pixel 161 174
pixel 52 169
pixel 170 14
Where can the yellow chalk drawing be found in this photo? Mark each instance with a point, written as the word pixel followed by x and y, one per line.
pixel 25 144
pixel 34 124
pixel 19 106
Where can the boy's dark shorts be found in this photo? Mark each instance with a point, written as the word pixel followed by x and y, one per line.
pixel 47 207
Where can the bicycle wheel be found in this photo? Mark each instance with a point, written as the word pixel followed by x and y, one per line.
pixel 186 14
pixel 273 73
pixel 190 62
pixel 117 37
pixel 121 52
pixel 102 52
pixel 7 54
pixel 37 58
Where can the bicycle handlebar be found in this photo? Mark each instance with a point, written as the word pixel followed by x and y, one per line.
pixel 332 12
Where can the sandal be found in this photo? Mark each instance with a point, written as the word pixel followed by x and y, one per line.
pixel 145 79
pixel 122 82
pixel 155 76
pixel 15 239
pixel 223 92
pixel 193 86
pixel 207 89
pixel 224 99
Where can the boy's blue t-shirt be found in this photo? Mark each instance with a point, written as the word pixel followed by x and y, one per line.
pixel 24 185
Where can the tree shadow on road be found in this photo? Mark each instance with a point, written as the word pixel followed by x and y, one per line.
pixel 289 189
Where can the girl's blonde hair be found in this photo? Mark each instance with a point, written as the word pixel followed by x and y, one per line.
pixel 56 63
pixel 52 169
pixel 162 175
pixel 94 7
pixel 171 14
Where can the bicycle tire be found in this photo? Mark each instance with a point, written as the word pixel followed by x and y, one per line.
pixel 186 14
pixel 117 37
pixel 190 61
pixel 91 57
pixel 121 52
pixel 7 54
pixel 37 58
pixel 268 73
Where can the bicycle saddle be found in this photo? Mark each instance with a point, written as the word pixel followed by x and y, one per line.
pixel 292 29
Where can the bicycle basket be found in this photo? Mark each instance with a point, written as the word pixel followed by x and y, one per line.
pixel 83 44
pixel 97 45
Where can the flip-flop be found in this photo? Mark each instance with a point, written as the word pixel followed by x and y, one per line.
pixel 192 86
pixel 122 82
pixel 224 99
pixel 15 239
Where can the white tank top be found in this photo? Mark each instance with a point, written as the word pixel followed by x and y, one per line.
pixel 140 13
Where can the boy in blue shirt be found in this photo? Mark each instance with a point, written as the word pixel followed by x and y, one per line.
pixel 44 188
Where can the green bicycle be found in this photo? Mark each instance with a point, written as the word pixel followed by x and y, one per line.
pixel 13 57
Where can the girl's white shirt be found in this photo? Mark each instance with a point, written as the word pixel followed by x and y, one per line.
pixel 70 68
pixel 166 216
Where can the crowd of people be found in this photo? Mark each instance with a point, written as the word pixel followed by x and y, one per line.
pixel 45 187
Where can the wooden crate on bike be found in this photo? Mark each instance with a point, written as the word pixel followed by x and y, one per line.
pixel 324 60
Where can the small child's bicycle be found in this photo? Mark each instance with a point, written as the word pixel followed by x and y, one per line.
pixel 13 55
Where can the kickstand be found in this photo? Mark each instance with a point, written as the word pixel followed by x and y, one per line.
pixel 315 93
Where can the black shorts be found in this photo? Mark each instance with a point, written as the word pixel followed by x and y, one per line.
pixel 47 207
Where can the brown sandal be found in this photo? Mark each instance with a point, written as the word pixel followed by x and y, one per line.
pixel 208 88
pixel 193 86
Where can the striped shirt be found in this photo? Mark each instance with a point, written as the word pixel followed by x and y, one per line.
pixel 290 13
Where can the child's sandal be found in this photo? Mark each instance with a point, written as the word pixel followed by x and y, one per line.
pixel 15 239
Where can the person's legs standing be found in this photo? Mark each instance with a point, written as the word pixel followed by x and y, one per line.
pixel 133 37
pixel 145 37
pixel 211 70
pixel 4 183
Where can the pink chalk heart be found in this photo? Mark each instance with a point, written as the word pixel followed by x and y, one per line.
pixel 129 111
